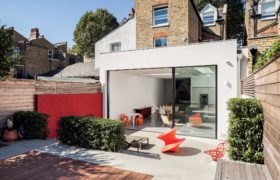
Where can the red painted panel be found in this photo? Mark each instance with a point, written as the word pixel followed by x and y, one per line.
pixel 58 105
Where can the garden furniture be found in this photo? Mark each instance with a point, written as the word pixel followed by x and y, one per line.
pixel 217 152
pixel 195 120
pixel 135 141
pixel 124 118
pixel 172 143
pixel 168 123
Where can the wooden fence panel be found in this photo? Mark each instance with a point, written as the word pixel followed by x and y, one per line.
pixel 17 95
pixel 249 86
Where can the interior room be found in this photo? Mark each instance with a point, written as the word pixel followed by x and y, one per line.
pixel 189 92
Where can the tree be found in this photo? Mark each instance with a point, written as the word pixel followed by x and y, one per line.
pixel 7 61
pixel 91 28
pixel 235 12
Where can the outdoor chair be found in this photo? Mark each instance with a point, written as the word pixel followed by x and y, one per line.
pixel 218 152
pixel 195 120
pixel 126 121
pixel 168 123
pixel 172 143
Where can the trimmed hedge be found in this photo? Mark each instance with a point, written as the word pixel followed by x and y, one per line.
pixel 34 124
pixel 245 130
pixel 91 133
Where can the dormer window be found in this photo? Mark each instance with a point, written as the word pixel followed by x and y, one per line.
pixel 267 8
pixel 209 15
pixel 208 18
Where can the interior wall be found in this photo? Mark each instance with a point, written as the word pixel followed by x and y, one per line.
pixel 168 98
pixel 203 85
pixel 129 91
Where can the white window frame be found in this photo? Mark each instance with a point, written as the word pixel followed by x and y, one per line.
pixel 16 52
pixel 165 37
pixel 260 9
pixel 52 54
pixel 113 44
pixel 154 18
pixel 209 9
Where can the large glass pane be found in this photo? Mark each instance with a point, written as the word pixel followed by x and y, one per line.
pixel 195 104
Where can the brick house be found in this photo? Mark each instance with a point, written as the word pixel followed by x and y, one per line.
pixel 262 27
pixel 38 56
pixel 156 23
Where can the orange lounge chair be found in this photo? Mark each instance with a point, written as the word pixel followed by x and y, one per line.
pixel 195 120
pixel 218 152
pixel 126 121
pixel 140 120
pixel 172 143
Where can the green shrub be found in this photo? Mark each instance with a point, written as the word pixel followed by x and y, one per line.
pixel 267 55
pixel 34 124
pixel 245 130
pixel 88 132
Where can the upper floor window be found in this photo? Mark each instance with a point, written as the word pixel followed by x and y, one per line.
pixel 115 47
pixel 159 42
pixel 268 9
pixel 208 18
pixel 50 54
pixel 16 51
pixel 160 16
pixel 209 15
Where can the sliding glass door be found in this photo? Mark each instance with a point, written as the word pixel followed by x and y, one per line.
pixel 195 100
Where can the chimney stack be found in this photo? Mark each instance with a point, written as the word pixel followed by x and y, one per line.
pixel 34 34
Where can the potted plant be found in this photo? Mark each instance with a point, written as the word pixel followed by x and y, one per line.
pixel 10 134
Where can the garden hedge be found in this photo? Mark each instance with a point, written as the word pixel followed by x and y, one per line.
pixel 34 124
pixel 245 130
pixel 92 133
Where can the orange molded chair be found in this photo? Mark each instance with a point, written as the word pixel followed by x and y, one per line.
pixel 140 120
pixel 126 121
pixel 195 120
pixel 218 152
pixel 172 143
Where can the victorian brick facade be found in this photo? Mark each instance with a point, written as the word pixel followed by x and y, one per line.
pixel 184 24
pixel 262 28
pixel 38 56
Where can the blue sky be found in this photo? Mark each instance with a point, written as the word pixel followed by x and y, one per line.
pixel 56 19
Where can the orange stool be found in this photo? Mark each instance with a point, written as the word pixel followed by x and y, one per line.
pixel 172 143
pixel 140 120
pixel 126 121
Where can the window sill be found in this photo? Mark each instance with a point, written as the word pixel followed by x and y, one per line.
pixel 161 25
pixel 209 25
pixel 268 18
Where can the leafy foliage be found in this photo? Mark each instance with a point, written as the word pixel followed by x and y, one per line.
pixel 88 132
pixel 6 53
pixel 267 55
pixel 91 28
pixel 245 130
pixel 34 124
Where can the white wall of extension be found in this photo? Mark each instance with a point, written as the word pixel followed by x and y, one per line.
pixel 130 91
pixel 125 34
pixel 223 54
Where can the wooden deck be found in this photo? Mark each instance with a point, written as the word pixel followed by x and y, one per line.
pixel 36 165
pixel 234 170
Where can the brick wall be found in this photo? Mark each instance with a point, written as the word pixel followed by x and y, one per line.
pixel 267 89
pixel 262 43
pixel 180 29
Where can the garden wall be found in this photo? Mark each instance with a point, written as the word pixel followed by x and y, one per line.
pixel 17 95
pixel 266 87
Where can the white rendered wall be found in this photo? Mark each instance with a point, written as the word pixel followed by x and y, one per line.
pixel 125 34
pixel 222 53
pixel 244 64
pixel 129 91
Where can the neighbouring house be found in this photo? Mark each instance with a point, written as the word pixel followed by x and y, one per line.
pixel 262 27
pixel 38 55
pixel 157 63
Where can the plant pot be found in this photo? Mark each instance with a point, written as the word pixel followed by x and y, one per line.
pixel 10 135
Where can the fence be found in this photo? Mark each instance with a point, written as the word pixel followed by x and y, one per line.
pixel 265 86
pixel 17 95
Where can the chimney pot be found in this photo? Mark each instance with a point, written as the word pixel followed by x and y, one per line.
pixel 34 33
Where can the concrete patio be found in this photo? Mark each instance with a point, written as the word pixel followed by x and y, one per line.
pixel 189 163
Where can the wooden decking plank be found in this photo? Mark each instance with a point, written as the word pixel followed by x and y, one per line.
pixel 219 170
pixel 248 171
pixel 34 165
